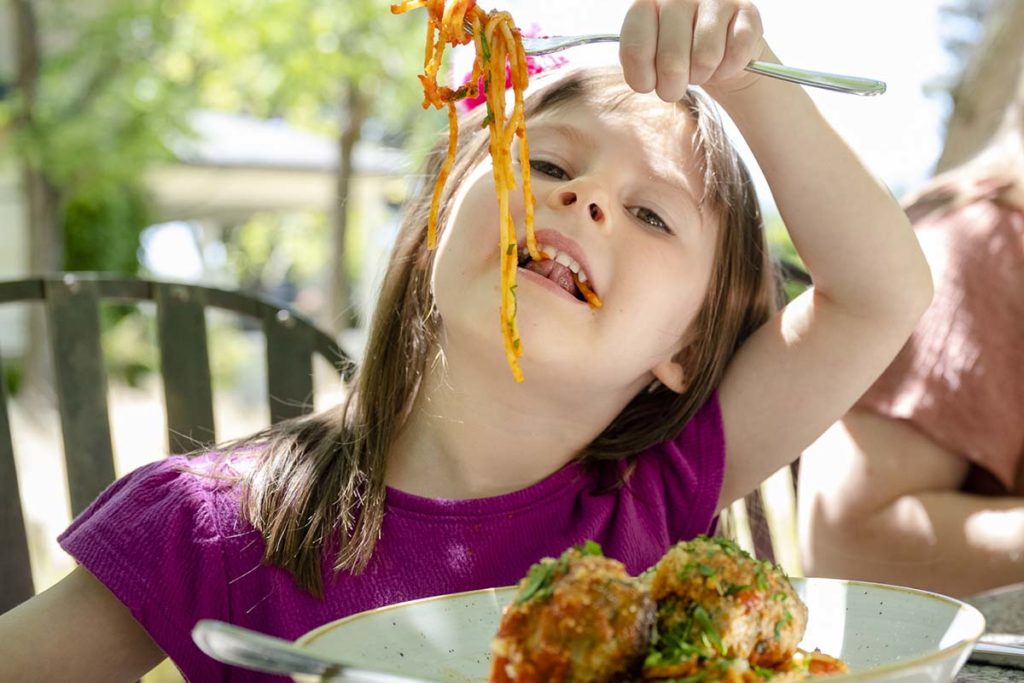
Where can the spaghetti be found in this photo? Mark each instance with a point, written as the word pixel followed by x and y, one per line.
pixel 497 42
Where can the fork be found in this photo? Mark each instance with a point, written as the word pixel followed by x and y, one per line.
pixel 846 84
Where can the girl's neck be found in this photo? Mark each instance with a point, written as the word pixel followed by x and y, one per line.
pixel 469 435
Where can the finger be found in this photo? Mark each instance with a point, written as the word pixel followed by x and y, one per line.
pixel 675 34
pixel 638 41
pixel 710 33
pixel 745 35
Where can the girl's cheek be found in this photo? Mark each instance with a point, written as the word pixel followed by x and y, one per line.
pixel 469 241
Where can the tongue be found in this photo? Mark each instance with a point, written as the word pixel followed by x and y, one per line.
pixel 554 271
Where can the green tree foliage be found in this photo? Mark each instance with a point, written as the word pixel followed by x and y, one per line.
pixel 322 65
pixel 297 59
pixel 95 117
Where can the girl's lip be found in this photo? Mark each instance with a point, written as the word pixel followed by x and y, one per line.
pixel 544 282
pixel 553 238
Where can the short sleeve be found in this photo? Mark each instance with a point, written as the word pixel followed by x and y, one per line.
pixel 960 378
pixel 152 539
pixel 687 472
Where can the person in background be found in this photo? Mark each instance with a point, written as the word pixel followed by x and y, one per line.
pixel 922 483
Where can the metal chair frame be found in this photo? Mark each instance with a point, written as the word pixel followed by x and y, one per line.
pixel 72 304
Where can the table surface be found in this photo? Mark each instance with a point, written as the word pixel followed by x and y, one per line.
pixel 1004 613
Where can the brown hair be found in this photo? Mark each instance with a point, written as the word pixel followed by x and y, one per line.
pixel 318 483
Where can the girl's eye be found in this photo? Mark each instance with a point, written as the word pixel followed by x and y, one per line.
pixel 651 218
pixel 548 169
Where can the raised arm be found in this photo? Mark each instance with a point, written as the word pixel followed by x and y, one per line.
pixel 806 367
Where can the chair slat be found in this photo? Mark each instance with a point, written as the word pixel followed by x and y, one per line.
pixel 72 308
pixel 759 529
pixel 21 290
pixel 290 345
pixel 15 570
pixel 185 366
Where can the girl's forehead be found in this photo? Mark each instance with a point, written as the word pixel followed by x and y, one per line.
pixel 646 113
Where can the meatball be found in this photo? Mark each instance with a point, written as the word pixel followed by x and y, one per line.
pixel 716 604
pixel 579 618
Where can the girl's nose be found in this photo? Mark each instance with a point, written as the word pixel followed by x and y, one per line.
pixel 569 198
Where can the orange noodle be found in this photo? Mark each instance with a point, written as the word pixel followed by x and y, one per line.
pixel 497 42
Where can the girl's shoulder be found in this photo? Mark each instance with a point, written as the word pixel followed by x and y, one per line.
pixel 156 538
pixel 686 472
pixel 699 444
pixel 176 487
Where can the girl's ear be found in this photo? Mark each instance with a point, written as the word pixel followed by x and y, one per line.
pixel 670 373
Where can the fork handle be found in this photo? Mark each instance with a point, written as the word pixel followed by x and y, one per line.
pixel 819 79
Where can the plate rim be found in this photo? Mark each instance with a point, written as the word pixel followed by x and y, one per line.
pixel 308 638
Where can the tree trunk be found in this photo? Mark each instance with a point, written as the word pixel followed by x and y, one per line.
pixel 990 88
pixel 340 314
pixel 40 197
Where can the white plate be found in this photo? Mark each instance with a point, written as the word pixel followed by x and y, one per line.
pixel 885 633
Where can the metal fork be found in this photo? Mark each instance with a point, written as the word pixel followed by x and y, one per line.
pixel 818 79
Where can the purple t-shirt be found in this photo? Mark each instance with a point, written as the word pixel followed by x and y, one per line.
pixel 172 546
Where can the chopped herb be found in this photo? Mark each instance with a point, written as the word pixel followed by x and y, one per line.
pixel 759 578
pixel 689 679
pixel 703 620
pixel 786 618
pixel 706 570
pixel 780 596
pixel 536 578
pixel 511 250
pixel 733 588
pixel 730 547
pixel 541 576
pixel 485 46
pixel 764 673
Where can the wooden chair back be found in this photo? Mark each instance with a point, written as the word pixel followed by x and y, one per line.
pixel 72 305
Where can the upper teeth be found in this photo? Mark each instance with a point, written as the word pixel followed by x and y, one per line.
pixel 563 258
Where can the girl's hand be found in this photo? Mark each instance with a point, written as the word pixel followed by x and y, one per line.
pixel 666 45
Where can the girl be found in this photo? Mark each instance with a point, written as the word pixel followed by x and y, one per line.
pixel 440 473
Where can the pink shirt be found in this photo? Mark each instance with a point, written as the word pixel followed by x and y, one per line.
pixel 960 377
pixel 171 545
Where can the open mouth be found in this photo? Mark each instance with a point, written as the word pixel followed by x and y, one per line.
pixel 561 269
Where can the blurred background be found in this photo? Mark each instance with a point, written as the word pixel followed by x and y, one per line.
pixel 267 145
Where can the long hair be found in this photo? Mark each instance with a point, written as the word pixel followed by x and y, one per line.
pixel 317 484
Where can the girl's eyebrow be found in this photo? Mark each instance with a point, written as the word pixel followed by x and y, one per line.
pixel 570 132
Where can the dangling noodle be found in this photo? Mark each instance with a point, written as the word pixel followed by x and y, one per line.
pixel 497 41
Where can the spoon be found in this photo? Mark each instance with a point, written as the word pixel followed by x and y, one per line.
pixel 257 651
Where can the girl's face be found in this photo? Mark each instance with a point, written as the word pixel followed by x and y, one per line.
pixel 617 191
